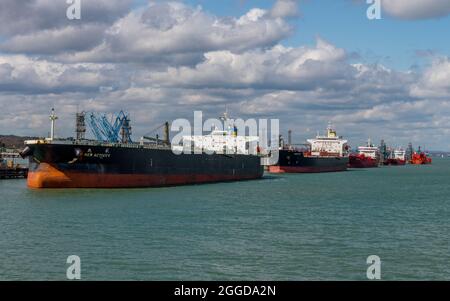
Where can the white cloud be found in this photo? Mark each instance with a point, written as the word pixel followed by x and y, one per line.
pixel 173 32
pixel 28 16
pixel 23 74
pixel 416 9
pixel 285 9
pixel 275 68
pixel 435 81
pixel 52 41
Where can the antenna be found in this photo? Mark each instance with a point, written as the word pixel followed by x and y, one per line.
pixel 224 117
pixel 290 137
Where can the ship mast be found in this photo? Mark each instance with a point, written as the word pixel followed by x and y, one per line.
pixel 53 118
pixel 80 125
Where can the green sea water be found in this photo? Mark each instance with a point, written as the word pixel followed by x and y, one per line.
pixel 283 227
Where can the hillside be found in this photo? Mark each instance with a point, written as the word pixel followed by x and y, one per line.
pixel 11 141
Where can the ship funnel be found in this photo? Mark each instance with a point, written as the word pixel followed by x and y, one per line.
pixel 166 133
pixel 290 137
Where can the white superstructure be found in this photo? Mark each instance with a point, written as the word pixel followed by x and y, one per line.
pixel 369 150
pixel 329 145
pixel 220 142
pixel 224 142
pixel 400 154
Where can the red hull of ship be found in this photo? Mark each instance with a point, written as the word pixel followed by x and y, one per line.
pixel 394 162
pixel 420 159
pixel 358 161
pixel 50 177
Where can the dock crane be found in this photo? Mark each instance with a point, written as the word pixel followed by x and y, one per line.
pixel 104 130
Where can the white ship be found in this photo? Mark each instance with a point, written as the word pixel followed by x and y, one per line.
pixel 369 150
pixel 330 145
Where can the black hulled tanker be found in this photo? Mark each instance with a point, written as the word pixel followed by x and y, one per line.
pixel 81 163
pixel 292 161
pixel 325 154
pixel 56 164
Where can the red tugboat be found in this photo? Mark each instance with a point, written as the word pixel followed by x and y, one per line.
pixel 398 157
pixel 420 158
pixel 367 157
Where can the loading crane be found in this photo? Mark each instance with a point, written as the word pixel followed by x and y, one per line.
pixel 104 130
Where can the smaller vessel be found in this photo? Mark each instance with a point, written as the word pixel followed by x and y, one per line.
pixel 327 153
pixel 397 157
pixel 10 170
pixel 367 157
pixel 420 158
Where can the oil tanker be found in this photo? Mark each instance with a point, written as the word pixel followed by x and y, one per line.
pixel 396 158
pixel 81 163
pixel 324 154
pixel 367 157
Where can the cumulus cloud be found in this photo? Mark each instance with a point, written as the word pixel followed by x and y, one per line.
pixel 285 9
pixel 67 39
pixel 41 26
pixel 274 68
pixel 23 74
pixel 172 32
pixel 27 16
pixel 416 9
pixel 435 81
pixel 160 33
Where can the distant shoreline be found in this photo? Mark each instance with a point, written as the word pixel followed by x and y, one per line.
pixel 13 141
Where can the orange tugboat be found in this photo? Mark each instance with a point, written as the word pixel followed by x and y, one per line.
pixel 420 158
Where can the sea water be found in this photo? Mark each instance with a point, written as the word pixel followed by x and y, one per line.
pixel 282 227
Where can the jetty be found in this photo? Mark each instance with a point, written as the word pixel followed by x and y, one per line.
pixel 13 173
pixel 10 170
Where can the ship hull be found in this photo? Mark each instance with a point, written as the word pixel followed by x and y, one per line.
pixel 394 162
pixel 297 162
pixel 78 166
pixel 420 159
pixel 420 162
pixel 361 162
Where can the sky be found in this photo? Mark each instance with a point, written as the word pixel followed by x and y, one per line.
pixel 307 63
